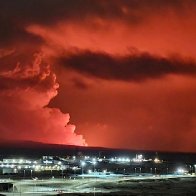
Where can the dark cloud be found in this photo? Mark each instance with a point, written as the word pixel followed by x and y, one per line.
pixel 12 33
pixel 134 67
pixel 16 15
pixel 49 11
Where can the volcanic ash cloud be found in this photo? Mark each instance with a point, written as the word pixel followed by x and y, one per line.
pixel 25 92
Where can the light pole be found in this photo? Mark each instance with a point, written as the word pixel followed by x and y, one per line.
pixel 13 189
pixel 74 170
pixel 82 165
pixel 94 163
pixel 135 170
pixel 31 173
pixel 151 170
pixel 155 170
pixel 191 169
pixel 51 173
pixel 62 172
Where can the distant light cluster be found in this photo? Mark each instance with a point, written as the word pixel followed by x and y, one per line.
pixel 92 165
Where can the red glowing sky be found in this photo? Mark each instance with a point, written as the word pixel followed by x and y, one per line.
pixel 123 70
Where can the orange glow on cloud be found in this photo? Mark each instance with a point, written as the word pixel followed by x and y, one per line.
pixel 115 37
pixel 124 71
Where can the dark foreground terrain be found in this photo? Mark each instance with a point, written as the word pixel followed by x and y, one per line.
pixel 118 183
pixel 154 185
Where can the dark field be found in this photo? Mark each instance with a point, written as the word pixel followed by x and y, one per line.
pixel 154 185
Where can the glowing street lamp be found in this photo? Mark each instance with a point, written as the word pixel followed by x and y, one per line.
pixel 89 171
pixel 94 163
pixel 19 167
pixel 74 169
pixel 20 161
pixel 181 171
pixel 156 160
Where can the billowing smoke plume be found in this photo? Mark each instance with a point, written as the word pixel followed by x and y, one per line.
pixel 26 90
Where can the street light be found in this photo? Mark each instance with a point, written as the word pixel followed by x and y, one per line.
pixel 31 173
pixel 195 168
pixel 74 169
pixel 62 172
pixel 180 171
pixel 94 163
pixel 89 171
pixel 51 172
pixel 83 164
pixel 190 169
